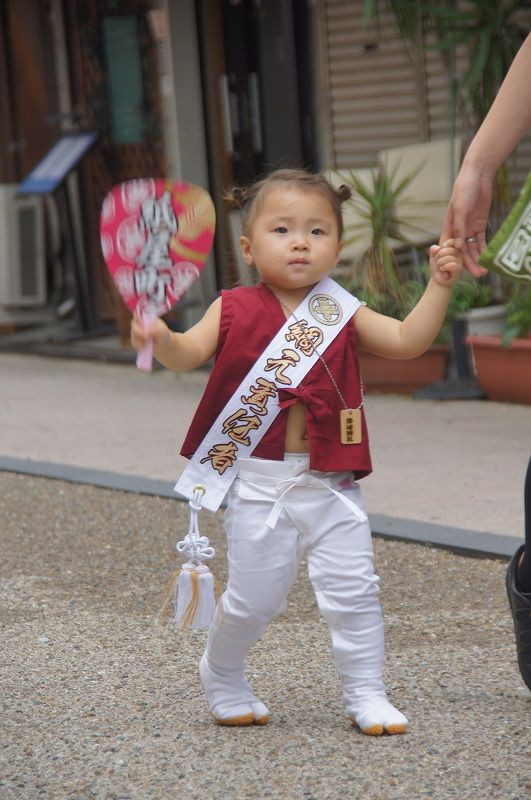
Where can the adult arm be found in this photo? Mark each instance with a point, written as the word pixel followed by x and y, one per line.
pixel 506 122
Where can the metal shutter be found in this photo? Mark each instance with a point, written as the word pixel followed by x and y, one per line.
pixel 372 86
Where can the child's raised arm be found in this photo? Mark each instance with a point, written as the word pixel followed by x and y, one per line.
pixel 385 336
pixel 181 352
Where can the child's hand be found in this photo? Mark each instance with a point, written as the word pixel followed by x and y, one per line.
pixel 446 262
pixel 141 334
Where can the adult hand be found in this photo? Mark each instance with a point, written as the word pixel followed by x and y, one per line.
pixel 467 214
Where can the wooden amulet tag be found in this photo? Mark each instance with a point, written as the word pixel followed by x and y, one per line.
pixel 350 420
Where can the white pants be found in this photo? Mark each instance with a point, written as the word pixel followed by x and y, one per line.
pixel 277 512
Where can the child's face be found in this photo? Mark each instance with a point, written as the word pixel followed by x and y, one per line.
pixel 293 241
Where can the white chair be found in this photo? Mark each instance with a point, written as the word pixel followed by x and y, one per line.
pixel 420 208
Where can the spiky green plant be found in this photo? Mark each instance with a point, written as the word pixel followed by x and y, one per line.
pixel 518 320
pixel 491 30
pixel 375 203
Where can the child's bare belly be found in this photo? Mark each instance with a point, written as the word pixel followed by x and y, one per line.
pixel 296 434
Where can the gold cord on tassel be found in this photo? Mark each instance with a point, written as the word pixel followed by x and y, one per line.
pixel 189 614
pixel 167 605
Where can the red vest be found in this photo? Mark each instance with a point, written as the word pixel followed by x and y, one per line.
pixel 250 318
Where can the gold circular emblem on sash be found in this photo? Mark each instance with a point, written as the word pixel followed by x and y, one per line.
pixel 325 309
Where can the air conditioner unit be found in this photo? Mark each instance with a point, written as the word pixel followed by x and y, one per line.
pixel 22 249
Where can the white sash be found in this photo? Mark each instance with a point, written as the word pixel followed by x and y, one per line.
pixel 254 405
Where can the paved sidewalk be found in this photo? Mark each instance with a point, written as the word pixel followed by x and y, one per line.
pixel 449 472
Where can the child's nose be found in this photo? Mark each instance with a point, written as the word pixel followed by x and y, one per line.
pixel 300 243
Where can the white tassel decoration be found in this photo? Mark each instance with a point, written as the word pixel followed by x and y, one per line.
pixel 194 596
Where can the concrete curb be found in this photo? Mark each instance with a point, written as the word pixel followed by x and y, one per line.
pixel 459 540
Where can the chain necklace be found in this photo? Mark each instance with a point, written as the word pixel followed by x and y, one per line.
pixel 350 418
pixel 325 365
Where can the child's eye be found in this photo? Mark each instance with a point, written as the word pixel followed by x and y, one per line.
pixel 318 231
pixel 281 229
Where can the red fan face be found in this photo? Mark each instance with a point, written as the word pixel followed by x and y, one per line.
pixel 155 236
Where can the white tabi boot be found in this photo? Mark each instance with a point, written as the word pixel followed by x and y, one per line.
pixel 230 698
pixel 368 707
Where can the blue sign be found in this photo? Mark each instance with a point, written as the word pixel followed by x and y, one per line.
pixel 55 166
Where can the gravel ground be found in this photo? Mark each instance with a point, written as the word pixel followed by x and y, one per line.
pixel 100 701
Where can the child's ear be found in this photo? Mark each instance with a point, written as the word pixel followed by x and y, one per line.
pixel 245 244
pixel 339 249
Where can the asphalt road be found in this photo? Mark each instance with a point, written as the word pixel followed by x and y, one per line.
pixel 100 701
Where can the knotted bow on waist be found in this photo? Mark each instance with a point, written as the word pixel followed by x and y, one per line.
pixel 314 482
pixel 310 398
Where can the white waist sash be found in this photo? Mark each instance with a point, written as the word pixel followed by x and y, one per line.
pixel 254 405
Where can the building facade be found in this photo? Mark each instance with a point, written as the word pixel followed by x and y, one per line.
pixel 208 91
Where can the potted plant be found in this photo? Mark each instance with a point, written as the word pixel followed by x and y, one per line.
pixel 376 279
pixel 472 310
pixel 503 363
pixel 397 376
pixel 473 303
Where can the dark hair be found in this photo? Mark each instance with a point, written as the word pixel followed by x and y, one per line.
pixel 250 198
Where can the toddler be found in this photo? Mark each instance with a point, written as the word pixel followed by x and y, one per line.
pixel 298 493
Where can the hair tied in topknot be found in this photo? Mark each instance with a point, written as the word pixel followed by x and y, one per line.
pixel 344 192
pixel 236 196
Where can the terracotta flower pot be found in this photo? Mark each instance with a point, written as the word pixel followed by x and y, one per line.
pixel 392 376
pixel 503 372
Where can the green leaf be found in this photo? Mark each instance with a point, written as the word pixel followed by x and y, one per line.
pixel 408 16
pixel 453 14
pixel 477 66
pixel 405 182
pixel 369 10
pixel 451 40
pixel 509 334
